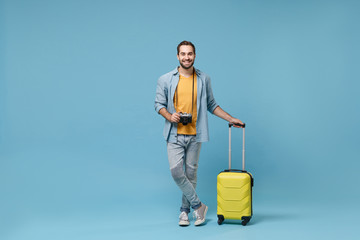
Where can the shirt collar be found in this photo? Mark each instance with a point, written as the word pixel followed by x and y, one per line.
pixel 176 71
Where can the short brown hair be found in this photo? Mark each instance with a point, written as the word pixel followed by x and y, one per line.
pixel 185 43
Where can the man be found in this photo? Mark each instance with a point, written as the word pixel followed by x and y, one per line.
pixel 187 90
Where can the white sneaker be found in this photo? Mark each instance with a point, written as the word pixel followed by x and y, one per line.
pixel 199 214
pixel 184 219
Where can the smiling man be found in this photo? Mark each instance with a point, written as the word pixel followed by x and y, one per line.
pixel 183 97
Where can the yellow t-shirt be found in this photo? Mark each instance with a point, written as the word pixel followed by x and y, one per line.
pixel 182 103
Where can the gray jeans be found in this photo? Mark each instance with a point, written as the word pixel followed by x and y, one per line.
pixel 183 160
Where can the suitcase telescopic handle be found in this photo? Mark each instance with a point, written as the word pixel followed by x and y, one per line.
pixel 237 124
pixel 243 147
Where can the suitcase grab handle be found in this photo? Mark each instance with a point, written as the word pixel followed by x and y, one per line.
pixel 235 170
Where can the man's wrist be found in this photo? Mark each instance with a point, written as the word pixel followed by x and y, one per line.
pixel 168 117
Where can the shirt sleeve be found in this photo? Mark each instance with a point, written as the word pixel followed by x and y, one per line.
pixel 161 100
pixel 211 103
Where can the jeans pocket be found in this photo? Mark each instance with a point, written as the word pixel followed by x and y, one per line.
pixel 193 138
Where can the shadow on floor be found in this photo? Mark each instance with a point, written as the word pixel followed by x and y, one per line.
pixel 263 218
pixel 273 217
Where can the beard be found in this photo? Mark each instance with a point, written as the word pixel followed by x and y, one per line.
pixel 186 67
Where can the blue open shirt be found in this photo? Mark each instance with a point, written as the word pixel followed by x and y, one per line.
pixel 165 91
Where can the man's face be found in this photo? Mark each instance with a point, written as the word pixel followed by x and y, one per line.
pixel 186 56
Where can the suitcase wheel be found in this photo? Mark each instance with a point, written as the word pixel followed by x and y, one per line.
pixel 245 220
pixel 220 219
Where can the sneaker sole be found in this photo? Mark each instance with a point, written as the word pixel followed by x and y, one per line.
pixel 198 223
pixel 184 223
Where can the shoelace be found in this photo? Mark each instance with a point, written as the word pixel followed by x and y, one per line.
pixel 183 216
pixel 196 215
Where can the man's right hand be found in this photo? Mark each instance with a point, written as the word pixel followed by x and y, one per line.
pixel 175 117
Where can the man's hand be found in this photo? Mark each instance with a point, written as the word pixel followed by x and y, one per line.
pixel 175 117
pixel 224 115
pixel 235 121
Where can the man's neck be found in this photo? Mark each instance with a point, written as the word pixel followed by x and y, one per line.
pixel 186 72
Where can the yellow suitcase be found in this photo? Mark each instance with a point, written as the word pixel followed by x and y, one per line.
pixel 234 191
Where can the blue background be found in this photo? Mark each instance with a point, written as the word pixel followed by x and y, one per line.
pixel 81 149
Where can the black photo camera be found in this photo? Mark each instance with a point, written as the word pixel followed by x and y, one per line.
pixel 185 118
